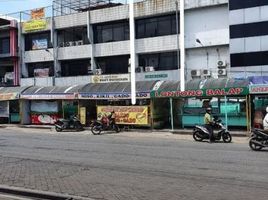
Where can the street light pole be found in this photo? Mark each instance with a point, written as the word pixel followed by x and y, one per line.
pixel 132 52
pixel 182 47
pixel 198 41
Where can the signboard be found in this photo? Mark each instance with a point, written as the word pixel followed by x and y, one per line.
pixel 39 44
pixel 38 13
pixel 202 92
pixel 156 76
pixel 82 114
pixel 139 95
pixel 35 25
pixel 258 89
pixel 49 96
pixel 110 78
pixel 4 109
pixel 136 115
pixel 44 118
pixel 8 96
pixel 41 72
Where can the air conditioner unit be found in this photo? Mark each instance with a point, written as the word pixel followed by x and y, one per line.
pixel 222 72
pixel 98 71
pixel 80 42
pixel 149 69
pixel 72 43
pixel 9 76
pixel 221 64
pixel 61 44
pixel 195 73
pixel 206 72
pixel 139 69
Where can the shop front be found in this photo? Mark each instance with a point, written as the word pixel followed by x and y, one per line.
pixel 227 97
pixel 45 105
pixel 102 98
pixel 10 105
pixel 259 100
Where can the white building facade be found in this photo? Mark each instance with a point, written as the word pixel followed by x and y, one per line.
pixel 76 48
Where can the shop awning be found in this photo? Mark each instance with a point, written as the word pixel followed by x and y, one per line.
pixel 115 90
pixel 11 93
pixel 206 88
pixel 55 92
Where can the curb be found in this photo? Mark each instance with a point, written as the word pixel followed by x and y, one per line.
pixel 23 192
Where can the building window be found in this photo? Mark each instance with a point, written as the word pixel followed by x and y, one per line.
pixel 113 64
pixel 4 45
pixel 118 31
pixel 159 61
pixel 72 37
pixel 156 26
pixel 43 69
pixel 37 41
pixel 75 67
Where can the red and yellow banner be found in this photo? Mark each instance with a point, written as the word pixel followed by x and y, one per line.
pixel 38 13
pixel 135 115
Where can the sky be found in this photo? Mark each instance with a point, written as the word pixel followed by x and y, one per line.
pixel 12 6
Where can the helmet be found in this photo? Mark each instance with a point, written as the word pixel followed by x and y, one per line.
pixel 208 109
pixel 267 109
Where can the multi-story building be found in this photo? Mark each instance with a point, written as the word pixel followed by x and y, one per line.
pixel 74 45
pixel 9 68
pixel 248 37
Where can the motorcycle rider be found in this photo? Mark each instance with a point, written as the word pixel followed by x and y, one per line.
pixel 208 121
pixel 112 118
pixel 265 121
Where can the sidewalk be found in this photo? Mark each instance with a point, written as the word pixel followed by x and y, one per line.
pixel 188 131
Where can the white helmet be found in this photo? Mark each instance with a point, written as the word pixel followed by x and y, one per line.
pixel 267 109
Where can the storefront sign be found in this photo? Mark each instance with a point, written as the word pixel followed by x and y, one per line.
pixel 39 44
pixel 156 76
pixel 258 89
pixel 110 78
pixel 126 114
pixel 140 95
pixel 35 25
pixel 201 93
pixel 44 118
pixel 38 13
pixel 49 96
pixel 41 72
pixel 4 111
pixel 8 96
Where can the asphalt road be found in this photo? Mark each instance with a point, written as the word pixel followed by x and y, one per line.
pixel 126 166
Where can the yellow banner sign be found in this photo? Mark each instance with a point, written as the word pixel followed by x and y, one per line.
pixel 135 115
pixel 38 13
pixel 35 25
pixel 8 96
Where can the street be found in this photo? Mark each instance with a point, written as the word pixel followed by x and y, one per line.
pixel 131 165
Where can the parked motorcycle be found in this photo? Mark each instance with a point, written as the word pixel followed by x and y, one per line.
pixel 201 133
pixel 98 126
pixel 68 124
pixel 258 139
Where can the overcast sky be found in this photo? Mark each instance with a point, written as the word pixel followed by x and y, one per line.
pixel 12 6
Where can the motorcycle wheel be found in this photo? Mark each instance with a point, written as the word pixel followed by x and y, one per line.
pixel 116 128
pixel 253 146
pixel 58 129
pixel 96 130
pixel 227 138
pixel 197 136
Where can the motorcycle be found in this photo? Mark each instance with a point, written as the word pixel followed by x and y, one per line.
pixel 98 126
pixel 68 124
pixel 201 133
pixel 258 139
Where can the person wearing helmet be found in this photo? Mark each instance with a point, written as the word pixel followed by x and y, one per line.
pixel 208 121
pixel 265 120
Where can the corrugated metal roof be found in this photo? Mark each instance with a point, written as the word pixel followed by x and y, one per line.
pixel 12 89
pixel 170 85
pixel 35 90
